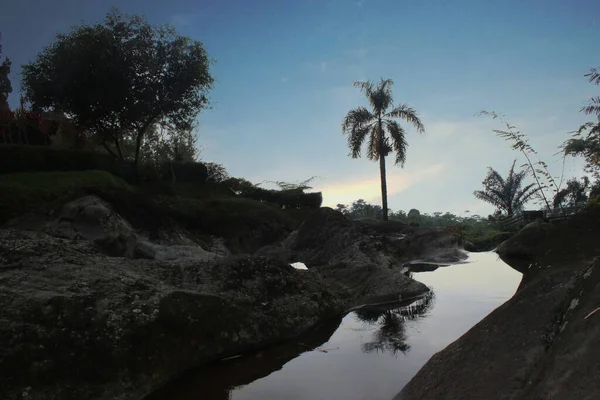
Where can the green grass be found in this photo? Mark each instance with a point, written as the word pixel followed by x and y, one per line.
pixel 25 191
pixel 204 210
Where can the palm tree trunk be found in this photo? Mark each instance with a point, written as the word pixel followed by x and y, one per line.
pixel 384 203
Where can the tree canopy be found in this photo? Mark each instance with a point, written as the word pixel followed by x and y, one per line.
pixel 117 78
pixel 5 86
pixel 506 194
pixel 586 140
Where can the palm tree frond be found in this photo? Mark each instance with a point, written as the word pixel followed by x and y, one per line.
pixel 408 114
pixel 356 139
pixel 399 143
pixel 594 76
pixel 373 149
pixel 356 119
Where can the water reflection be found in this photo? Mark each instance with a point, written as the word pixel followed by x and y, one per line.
pixel 360 358
pixel 391 334
pixel 218 380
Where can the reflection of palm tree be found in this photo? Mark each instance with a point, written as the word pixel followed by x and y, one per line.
pixel 391 335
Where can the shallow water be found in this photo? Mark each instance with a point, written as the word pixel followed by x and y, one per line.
pixel 369 354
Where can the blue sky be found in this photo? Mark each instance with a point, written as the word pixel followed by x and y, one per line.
pixel 284 72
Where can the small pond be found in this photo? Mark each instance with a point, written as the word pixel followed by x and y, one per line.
pixel 370 353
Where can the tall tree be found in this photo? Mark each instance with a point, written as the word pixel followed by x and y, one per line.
pixel 117 78
pixel 506 194
pixel 586 140
pixel 574 194
pixel 380 126
pixel 5 86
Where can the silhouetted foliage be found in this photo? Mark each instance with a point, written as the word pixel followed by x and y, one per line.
pixel 585 141
pixel 380 129
pixel 574 194
pixel 119 77
pixel 361 209
pixel 506 194
pixel 538 169
pixel 5 85
pixel 217 173
pixel 18 158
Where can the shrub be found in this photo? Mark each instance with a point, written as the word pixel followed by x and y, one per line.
pixel 25 191
pixel 15 158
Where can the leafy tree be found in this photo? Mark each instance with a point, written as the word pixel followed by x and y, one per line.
pixel 413 213
pixel 574 194
pixel 217 173
pixel 586 140
pixel 342 208
pixel 5 86
pixel 380 127
pixel 506 194
pixel 118 78
pixel 161 146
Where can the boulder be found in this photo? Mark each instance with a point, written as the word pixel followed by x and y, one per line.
pixel 78 324
pixel 366 257
pixel 91 218
pixel 541 344
pixel 525 244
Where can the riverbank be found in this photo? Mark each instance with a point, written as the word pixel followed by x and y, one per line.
pixel 370 353
pixel 112 294
pixel 544 342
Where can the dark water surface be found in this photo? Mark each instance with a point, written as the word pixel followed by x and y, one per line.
pixel 369 354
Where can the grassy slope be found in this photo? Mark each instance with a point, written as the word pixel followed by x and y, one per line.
pixel 245 224
pixel 22 192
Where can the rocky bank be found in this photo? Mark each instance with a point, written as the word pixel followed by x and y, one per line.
pixel 542 344
pixel 95 306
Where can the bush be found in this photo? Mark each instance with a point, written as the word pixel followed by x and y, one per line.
pixel 189 172
pixel 15 158
pixel 295 198
pixel 26 191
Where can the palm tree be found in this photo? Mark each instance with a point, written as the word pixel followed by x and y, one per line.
pixel 506 194
pixel 594 105
pixel 361 123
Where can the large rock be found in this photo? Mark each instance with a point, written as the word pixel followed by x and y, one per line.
pixel 77 324
pixel 537 342
pixel 91 218
pixel 544 343
pixel 526 243
pixel 366 257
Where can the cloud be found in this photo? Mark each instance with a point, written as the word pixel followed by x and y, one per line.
pixel 369 189
pixel 323 66
pixel 285 79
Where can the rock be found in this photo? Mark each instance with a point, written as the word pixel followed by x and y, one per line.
pixel 173 253
pixel 469 246
pixel 544 342
pixel 77 324
pixel 522 350
pixel 525 243
pixel 92 218
pixel 366 257
pixel 218 247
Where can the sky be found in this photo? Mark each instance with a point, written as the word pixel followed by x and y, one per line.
pixel 284 70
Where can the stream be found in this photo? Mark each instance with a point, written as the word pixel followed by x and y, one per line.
pixel 370 353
